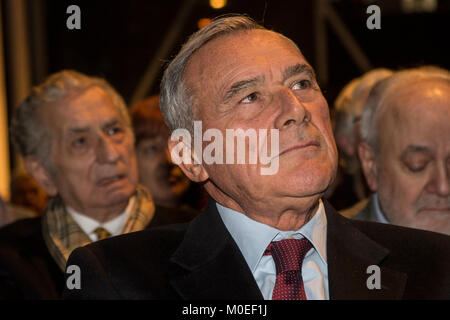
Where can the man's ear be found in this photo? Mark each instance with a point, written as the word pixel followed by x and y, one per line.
pixel 41 175
pixel 368 164
pixel 185 159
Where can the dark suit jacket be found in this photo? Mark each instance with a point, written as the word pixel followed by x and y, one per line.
pixel 200 260
pixel 28 271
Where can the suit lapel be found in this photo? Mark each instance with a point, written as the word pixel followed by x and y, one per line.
pixel 214 268
pixel 213 264
pixel 349 253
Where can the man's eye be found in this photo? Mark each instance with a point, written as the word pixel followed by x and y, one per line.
pixel 250 98
pixel 114 130
pixel 150 149
pixel 302 84
pixel 416 167
pixel 80 142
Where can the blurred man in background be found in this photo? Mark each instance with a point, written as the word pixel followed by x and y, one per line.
pixel 167 184
pixel 405 150
pixel 26 192
pixel 75 135
pixel 350 186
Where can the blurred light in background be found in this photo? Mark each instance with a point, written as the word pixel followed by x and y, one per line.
pixel 217 4
pixel 413 6
pixel 203 22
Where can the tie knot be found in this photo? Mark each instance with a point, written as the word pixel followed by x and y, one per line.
pixel 288 254
pixel 102 233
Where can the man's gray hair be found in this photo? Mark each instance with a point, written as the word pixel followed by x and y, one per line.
pixel 348 106
pixel 176 101
pixel 375 103
pixel 29 134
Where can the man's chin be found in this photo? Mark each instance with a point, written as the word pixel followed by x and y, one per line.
pixel 310 193
pixel 118 195
pixel 313 184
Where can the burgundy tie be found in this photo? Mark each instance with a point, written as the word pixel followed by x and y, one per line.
pixel 288 256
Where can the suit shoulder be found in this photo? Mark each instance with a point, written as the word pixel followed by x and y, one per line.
pixel 405 239
pixel 423 256
pixel 22 230
pixel 167 216
pixel 129 266
pixel 156 241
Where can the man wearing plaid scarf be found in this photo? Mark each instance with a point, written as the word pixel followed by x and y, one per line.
pixel 75 136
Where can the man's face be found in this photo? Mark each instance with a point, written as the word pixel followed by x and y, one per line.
pixel 413 181
pixel 166 182
pixel 260 80
pixel 92 151
pixel 28 193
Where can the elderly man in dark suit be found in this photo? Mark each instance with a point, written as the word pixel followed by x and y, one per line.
pixel 267 234
pixel 75 135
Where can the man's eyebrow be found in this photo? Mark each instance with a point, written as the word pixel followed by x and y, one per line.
pixel 110 123
pixel 240 86
pixel 76 130
pixel 290 71
pixel 297 69
pixel 105 125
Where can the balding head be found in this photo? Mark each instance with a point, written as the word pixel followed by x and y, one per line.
pixel 407 160
pixel 375 103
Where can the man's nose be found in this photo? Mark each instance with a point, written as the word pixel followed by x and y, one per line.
pixel 440 181
pixel 107 151
pixel 293 111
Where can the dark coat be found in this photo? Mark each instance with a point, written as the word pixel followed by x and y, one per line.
pixel 200 260
pixel 28 271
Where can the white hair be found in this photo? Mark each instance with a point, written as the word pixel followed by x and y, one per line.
pixel 29 134
pixel 349 104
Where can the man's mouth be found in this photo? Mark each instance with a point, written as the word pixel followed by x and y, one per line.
pixel 309 144
pixel 108 180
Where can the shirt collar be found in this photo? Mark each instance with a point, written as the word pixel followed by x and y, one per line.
pixel 253 237
pixel 380 217
pixel 88 224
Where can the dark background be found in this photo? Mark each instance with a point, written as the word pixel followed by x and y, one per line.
pixel 118 39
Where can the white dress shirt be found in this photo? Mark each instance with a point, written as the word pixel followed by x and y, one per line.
pixel 88 225
pixel 253 237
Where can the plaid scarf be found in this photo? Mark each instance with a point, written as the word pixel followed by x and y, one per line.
pixel 62 234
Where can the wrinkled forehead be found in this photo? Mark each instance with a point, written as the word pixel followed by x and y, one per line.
pixel 236 57
pixel 236 47
pixel 79 107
